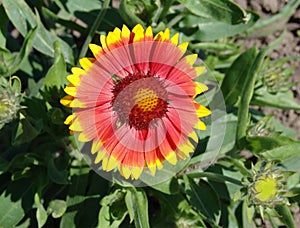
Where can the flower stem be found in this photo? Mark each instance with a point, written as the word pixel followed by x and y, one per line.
pixel 94 28
pixel 166 8
pixel 214 177
pixel 239 165
pixel 248 91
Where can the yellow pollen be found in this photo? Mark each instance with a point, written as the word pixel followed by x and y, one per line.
pixel 146 99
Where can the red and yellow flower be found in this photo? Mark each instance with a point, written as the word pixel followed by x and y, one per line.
pixel 134 101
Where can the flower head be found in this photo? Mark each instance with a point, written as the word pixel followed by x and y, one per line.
pixel 134 101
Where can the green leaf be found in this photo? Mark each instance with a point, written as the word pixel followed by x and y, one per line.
pixel 278 126
pixel 57 208
pixel 223 128
pixel 25 224
pixel 276 22
pixel 85 11
pixel 21 15
pixel 221 10
pixel 105 218
pixel 292 163
pixel 206 29
pixel 113 210
pixel 24 52
pixel 3 26
pixel 27 130
pixel 56 116
pixel 41 213
pixel 75 6
pixel 54 18
pixel 4 164
pixel 111 20
pixel 234 80
pixel 168 187
pixel 6 58
pixel 285 215
pixel 283 152
pixel 57 72
pixel 279 100
pixel 128 15
pixel 112 198
pixel 93 28
pixel 137 205
pixel 57 176
pixel 204 198
pixel 263 143
pixel 248 215
pixel 248 90
pixel 76 194
pixel 213 177
pixel 174 211
pixel 11 212
pixel 22 160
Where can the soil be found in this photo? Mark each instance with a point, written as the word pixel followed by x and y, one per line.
pixel 290 46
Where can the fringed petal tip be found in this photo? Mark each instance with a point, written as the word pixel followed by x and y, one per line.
pixel 130 172
pixel 96 49
pixel 66 100
pixel 185 150
pixel 199 88
pixel 191 59
pixel 200 126
pixel 70 90
pixel 86 63
pixel 110 163
pixel 200 70
pixel 202 111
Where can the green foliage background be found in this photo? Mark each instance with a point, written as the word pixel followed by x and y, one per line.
pixel 45 183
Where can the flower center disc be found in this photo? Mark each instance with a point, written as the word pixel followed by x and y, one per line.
pixel 146 99
pixel 139 99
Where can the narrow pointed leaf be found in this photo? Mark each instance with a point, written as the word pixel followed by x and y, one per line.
pixel 203 197
pixel 225 11
pixel 248 88
pixel 56 74
pixel 24 52
pixel 276 22
pixel 3 26
pixel 285 215
pixel 235 77
pixel 21 15
pixel 137 205
pixel 279 100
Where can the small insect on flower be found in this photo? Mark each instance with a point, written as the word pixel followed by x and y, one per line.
pixel 135 101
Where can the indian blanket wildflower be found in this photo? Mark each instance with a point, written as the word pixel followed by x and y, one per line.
pixel 134 101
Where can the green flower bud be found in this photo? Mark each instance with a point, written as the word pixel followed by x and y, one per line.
pixel 10 98
pixel 275 75
pixel 268 186
pixel 261 128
